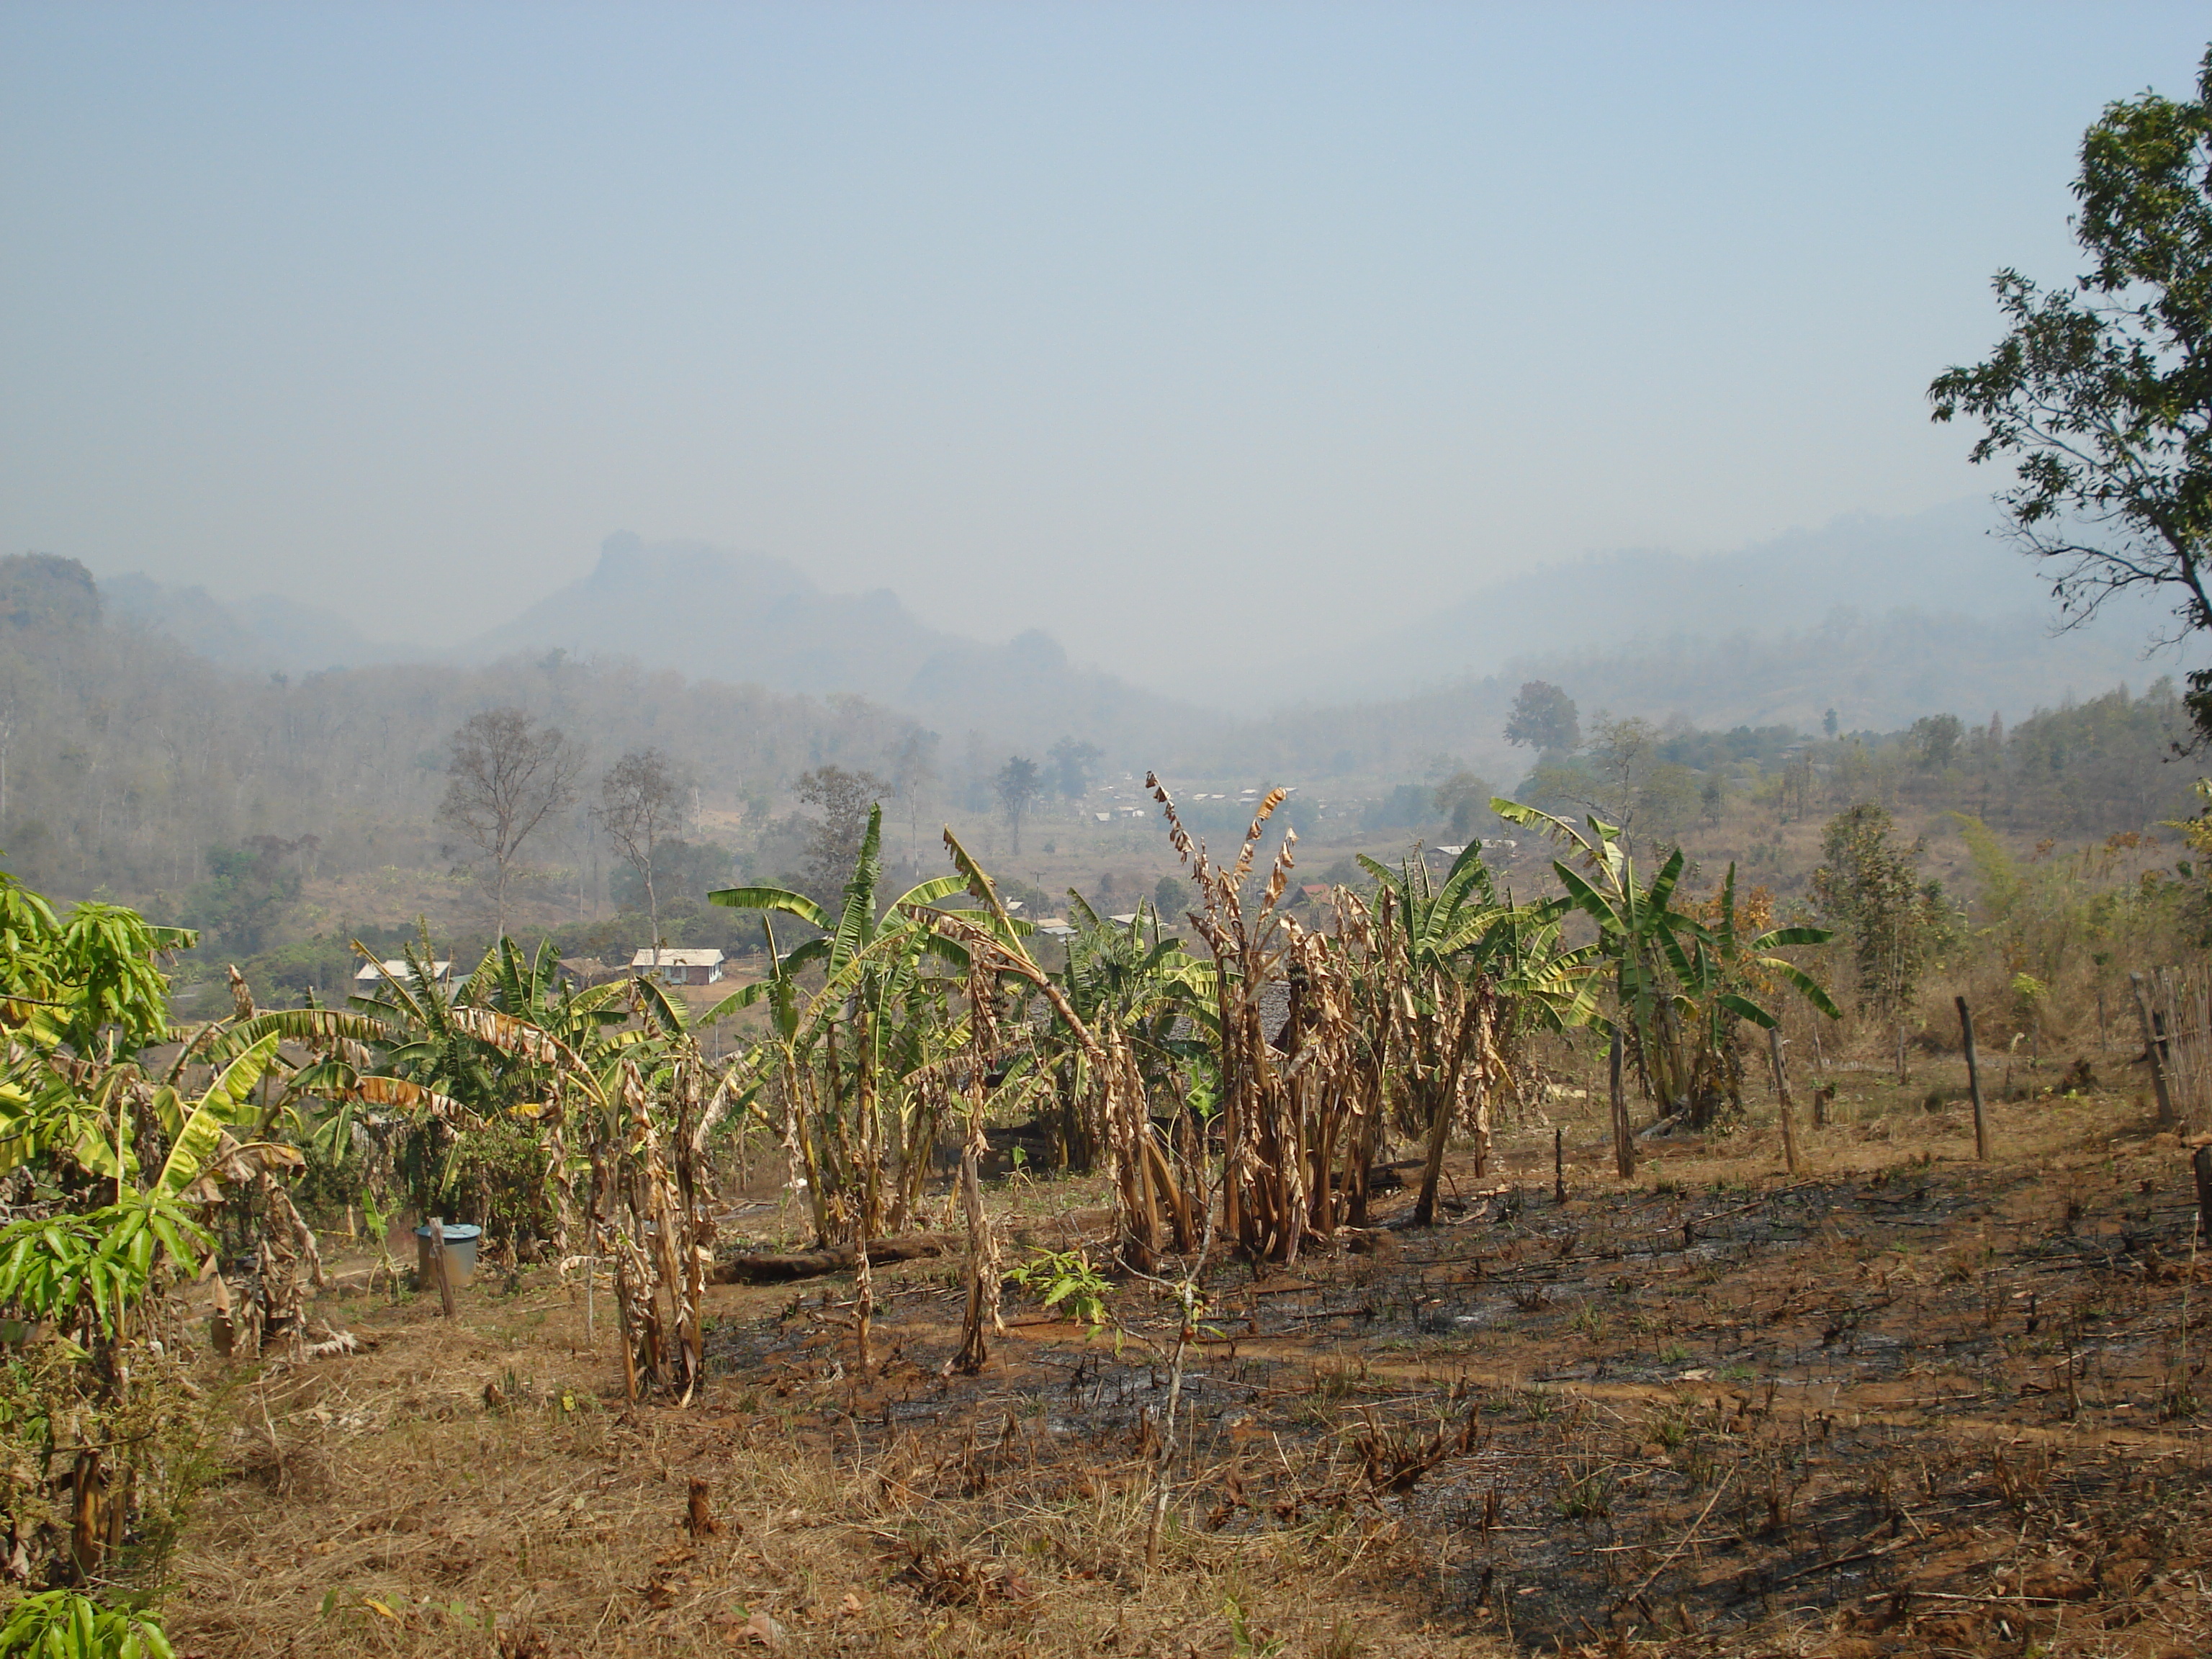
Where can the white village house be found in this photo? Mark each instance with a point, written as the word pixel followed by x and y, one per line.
pixel 674 966
pixel 373 974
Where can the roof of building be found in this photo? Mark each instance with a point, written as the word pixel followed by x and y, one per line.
pixel 668 958
pixel 396 968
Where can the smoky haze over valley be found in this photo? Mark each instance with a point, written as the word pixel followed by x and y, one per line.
pixel 1880 620
pixel 1239 392
pixel 1071 830
pixel 1254 356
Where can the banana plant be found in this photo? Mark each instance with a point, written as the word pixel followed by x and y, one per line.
pixel 67 1624
pixel 1680 985
pixel 1117 977
pixel 1458 957
pixel 844 1060
pixel 94 1266
pixel 1727 967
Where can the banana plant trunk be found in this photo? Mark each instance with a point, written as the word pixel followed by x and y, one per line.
pixel 983 1248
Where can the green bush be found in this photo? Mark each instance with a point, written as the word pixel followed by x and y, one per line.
pixel 64 1624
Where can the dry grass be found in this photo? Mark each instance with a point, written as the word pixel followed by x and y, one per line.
pixel 378 1505
pixel 1903 1404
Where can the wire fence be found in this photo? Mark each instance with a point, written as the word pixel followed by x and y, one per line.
pixel 2181 1013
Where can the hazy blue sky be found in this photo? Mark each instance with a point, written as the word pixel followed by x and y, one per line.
pixel 1179 330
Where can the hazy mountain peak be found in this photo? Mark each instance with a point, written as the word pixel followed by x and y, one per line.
pixel 45 591
pixel 713 613
pixel 263 634
pixel 626 557
pixel 1036 652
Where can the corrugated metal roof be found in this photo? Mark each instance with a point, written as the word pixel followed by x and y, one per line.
pixel 396 968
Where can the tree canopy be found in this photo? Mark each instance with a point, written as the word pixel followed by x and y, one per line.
pixel 2100 392
pixel 1544 718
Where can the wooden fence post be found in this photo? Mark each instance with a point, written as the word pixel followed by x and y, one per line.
pixel 1974 1083
pixel 438 1265
pixel 1559 1164
pixel 1624 1144
pixel 2152 1048
pixel 2202 1165
pixel 1781 1098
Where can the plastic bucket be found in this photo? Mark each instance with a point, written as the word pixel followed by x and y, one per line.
pixel 460 1254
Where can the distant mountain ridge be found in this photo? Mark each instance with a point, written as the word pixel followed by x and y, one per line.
pixel 712 614
pixel 1880 673
pixel 1940 562
pixel 729 616
pixel 1883 619
pixel 265 634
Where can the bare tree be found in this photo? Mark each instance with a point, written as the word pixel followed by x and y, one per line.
pixel 1019 783
pixel 833 845
pixel 639 800
pixel 507 773
pixel 914 768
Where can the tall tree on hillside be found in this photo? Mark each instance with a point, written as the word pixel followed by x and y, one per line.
pixel 1544 718
pixel 1018 785
pixel 2100 393
pixel 1073 764
pixel 834 841
pixel 1464 797
pixel 638 801
pixel 505 775
pixel 914 769
pixel 1937 736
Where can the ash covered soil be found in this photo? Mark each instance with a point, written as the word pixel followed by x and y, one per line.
pixel 1930 1405
pixel 1901 1403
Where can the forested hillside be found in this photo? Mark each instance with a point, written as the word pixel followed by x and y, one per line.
pixel 1875 673
pixel 129 762
pixel 274 810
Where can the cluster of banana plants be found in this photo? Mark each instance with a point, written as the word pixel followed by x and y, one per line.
pixel 851 1067
pixel 1403 1011
pixel 1149 1010
pixel 1683 985
pixel 107 1163
pixel 916 1023
pixel 610 1098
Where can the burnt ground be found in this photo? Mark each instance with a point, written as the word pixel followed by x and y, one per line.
pixel 1904 1403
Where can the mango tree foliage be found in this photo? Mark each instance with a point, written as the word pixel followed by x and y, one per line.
pixel 92 976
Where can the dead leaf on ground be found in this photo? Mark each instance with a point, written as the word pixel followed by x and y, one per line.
pixel 762 1630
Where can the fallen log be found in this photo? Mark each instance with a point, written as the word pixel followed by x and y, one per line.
pixel 771 1269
